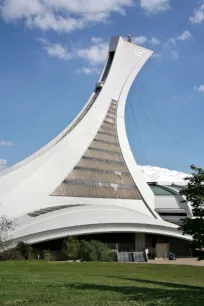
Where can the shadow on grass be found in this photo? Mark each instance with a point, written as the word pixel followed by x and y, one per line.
pixel 170 295
pixel 157 283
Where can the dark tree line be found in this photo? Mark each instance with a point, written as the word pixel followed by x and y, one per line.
pixel 194 194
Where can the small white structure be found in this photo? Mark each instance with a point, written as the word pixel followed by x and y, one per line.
pixel 86 180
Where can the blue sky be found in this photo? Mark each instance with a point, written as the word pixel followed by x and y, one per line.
pixel 51 54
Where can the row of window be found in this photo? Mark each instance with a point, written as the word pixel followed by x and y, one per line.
pixel 100 170
pixel 97 184
pixel 101 160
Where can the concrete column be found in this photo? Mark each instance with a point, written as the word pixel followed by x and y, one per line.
pixel 140 242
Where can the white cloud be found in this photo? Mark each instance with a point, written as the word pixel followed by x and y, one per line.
pixel 155 6
pixel 57 50
pixel 139 40
pixel 198 15
pixel 170 41
pixel 174 55
pixel 142 40
pixel 55 22
pixel 89 6
pixel 154 41
pixel 61 15
pixel 96 40
pixel 88 71
pixel 169 47
pixel 3 164
pixel 95 54
pixel 43 40
pixel 6 143
pixel 199 88
pixel 184 36
pixel 14 9
pixel 166 52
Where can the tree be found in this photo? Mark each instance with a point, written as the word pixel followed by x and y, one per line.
pixel 24 249
pixel 103 253
pixel 5 225
pixel 95 251
pixel 71 247
pixel 194 194
pixel 86 250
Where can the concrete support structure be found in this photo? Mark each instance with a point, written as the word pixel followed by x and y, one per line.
pixel 140 242
pixel 86 180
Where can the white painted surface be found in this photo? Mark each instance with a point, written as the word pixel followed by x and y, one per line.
pixel 29 204
pixel 144 189
pixel 44 173
pixel 27 186
pixel 86 220
pixel 171 202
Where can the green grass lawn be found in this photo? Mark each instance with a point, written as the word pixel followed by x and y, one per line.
pixel 81 284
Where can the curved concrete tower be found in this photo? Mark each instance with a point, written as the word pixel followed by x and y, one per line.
pixel 86 180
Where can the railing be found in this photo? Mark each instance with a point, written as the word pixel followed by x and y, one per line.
pixel 131 256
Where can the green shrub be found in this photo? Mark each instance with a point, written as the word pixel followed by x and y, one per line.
pixel 11 254
pixel 24 250
pixel 71 247
pixel 47 255
pixel 95 251
pixel 103 252
pixel 86 250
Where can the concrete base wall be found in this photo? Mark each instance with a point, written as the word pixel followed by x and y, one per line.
pixel 140 242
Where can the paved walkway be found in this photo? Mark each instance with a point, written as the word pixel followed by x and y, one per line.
pixel 179 261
